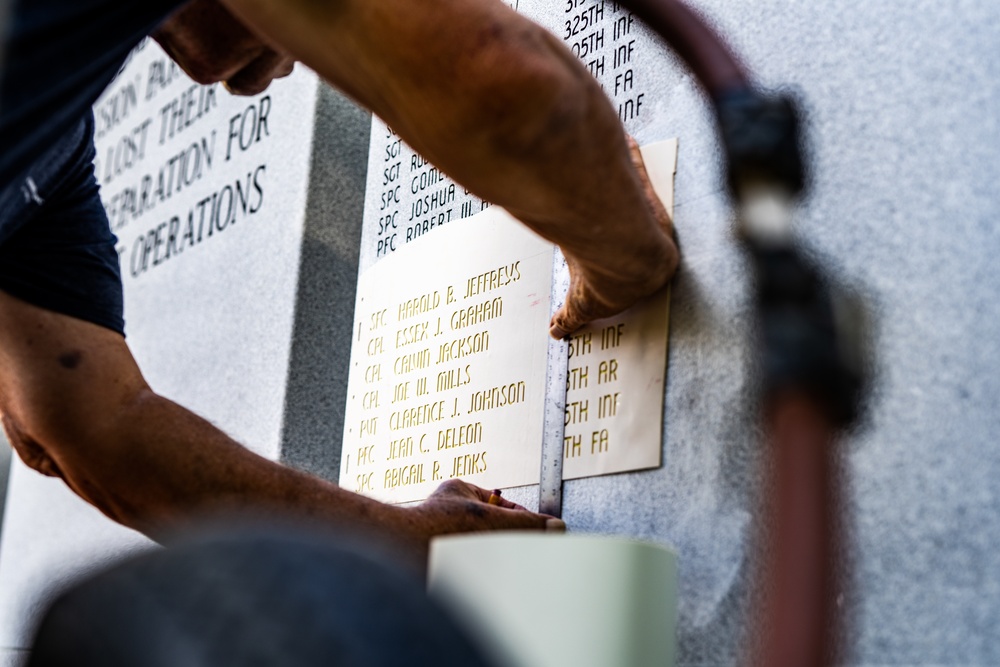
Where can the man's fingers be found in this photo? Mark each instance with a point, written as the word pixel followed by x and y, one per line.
pixel 512 505
pixel 579 309
pixel 506 504
pixel 257 76
pixel 564 322
pixel 458 488
pixel 522 519
pixel 659 211
pixel 555 526
pixel 585 304
pixel 494 498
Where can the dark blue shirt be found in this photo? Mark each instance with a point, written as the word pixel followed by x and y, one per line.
pixel 56 250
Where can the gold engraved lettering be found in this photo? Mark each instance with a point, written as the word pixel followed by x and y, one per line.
pixel 576 412
pixel 469 434
pixel 378 319
pixel 571 446
pixel 412 362
pixel 366 455
pixel 576 378
pixel 580 344
pixel 483 312
pixel 607 405
pixel 363 482
pixel 404 476
pixel 421 414
pixel 463 347
pixel 468 464
pixel 491 280
pixel 599 441
pixel 373 373
pixel 498 397
pixel 607 371
pixel 419 305
pixel 454 378
pixel 415 333
pixel 612 336
pixel 368 427
pixel 399 449
pixel 400 392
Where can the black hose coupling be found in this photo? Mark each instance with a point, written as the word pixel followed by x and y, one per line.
pixel 762 142
pixel 811 332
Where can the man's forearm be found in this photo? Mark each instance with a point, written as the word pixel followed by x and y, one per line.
pixel 491 98
pixel 161 470
pixel 159 467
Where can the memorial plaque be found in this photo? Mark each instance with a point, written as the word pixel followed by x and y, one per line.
pixel 409 199
pixel 448 364
pixel 615 379
pixel 614 392
pixel 446 379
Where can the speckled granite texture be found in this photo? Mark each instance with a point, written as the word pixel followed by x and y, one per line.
pixel 903 102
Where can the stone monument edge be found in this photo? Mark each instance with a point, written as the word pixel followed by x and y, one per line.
pixel 316 385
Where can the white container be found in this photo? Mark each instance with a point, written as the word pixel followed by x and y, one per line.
pixel 536 600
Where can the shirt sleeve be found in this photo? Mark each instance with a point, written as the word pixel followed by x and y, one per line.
pixel 57 251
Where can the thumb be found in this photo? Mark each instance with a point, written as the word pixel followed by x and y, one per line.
pixel 562 324
pixel 580 309
pixel 567 319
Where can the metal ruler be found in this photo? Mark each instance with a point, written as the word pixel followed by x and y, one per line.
pixel 551 478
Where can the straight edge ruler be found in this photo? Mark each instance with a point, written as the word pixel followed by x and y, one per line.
pixel 551 475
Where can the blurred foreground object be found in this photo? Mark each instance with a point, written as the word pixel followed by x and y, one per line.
pixel 251 600
pixel 809 346
pixel 551 601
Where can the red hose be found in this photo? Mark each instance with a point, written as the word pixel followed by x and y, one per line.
pixel 803 538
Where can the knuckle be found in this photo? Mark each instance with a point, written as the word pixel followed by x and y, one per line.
pixel 451 486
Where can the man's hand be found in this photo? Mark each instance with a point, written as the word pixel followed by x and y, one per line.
pixel 597 292
pixel 505 108
pixel 212 45
pixel 75 406
pixel 460 507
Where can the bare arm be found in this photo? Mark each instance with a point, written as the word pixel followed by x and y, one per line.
pixel 502 106
pixel 76 407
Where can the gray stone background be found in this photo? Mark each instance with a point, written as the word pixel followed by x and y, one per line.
pixel 902 102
